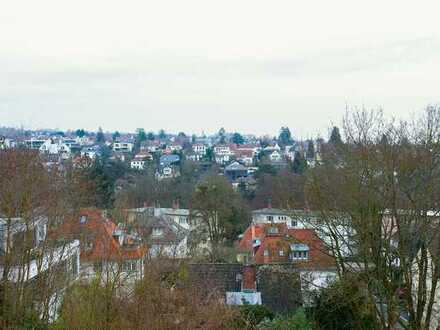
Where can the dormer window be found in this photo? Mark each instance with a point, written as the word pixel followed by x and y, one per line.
pixel 300 252
pixel 269 218
pixel 157 231
pixel 272 230
pixel 293 223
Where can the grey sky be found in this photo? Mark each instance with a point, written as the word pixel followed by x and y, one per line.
pixel 200 65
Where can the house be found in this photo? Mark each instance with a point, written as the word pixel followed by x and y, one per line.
pixel 275 243
pixel 91 152
pixel 30 260
pixel 83 140
pixel 275 156
pixel 34 143
pixel 140 161
pixel 167 160
pixel 175 147
pixel 163 235
pixel 273 215
pixel 273 147
pixel 151 146
pixel 106 249
pixel 245 157
pixel 55 147
pixel 337 225
pixel 124 147
pixel 235 171
pixel 223 154
pixel 199 149
pixel 194 157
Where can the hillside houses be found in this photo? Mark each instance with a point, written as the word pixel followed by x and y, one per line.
pixel 107 250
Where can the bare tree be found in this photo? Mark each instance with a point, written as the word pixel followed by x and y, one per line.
pixel 376 197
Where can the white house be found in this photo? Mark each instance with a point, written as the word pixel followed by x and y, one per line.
pixel 140 161
pixel 275 156
pixel 55 147
pixel 199 149
pixel 123 146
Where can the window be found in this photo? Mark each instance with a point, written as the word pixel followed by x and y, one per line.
pixel 182 220
pixel 281 253
pixel 272 230
pixel 130 266
pixel 83 219
pixel 269 218
pixel 266 253
pixel 157 231
pixel 299 252
pixel 293 223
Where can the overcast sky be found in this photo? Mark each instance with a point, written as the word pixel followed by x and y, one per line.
pixel 193 65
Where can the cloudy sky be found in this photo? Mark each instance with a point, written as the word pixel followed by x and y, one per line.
pixel 198 65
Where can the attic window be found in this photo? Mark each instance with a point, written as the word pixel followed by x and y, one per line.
pixel 266 253
pixel 157 232
pixel 83 219
pixel 300 252
pixel 272 230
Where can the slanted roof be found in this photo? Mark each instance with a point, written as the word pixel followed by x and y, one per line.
pixel 235 166
pixel 98 232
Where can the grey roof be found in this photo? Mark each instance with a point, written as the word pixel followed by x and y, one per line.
pixel 235 166
pixel 169 159
pixel 271 211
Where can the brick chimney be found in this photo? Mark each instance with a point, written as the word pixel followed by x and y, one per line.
pixel 249 277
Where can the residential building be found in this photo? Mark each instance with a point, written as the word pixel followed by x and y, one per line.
pixel 199 149
pixel 235 171
pixel 91 152
pixel 277 244
pixel 107 250
pixel 55 147
pixel 140 161
pixel 28 258
pixel 124 147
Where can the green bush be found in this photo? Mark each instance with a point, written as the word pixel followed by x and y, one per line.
pixel 251 315
pixel 297 321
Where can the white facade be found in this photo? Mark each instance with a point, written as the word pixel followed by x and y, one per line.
pixel 275 156
pixel 199 149
pixel 123 146
pixel 55 147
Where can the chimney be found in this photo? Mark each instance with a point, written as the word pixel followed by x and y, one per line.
pixel 249 278
pixel 176 204
pixel 269 203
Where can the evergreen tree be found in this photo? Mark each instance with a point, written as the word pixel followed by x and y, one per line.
pixel 100 138
pixel 335 136
pixel 141 135
pixel 116 135
pixel 162 135
pixel 285 137
pixel 299 163
pixel 237 138
pixel 222 135
pixel 310 150
pixel 150 136
pixel 80 133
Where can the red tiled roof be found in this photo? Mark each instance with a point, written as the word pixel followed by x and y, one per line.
pixel 97 232
pixel 274 243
